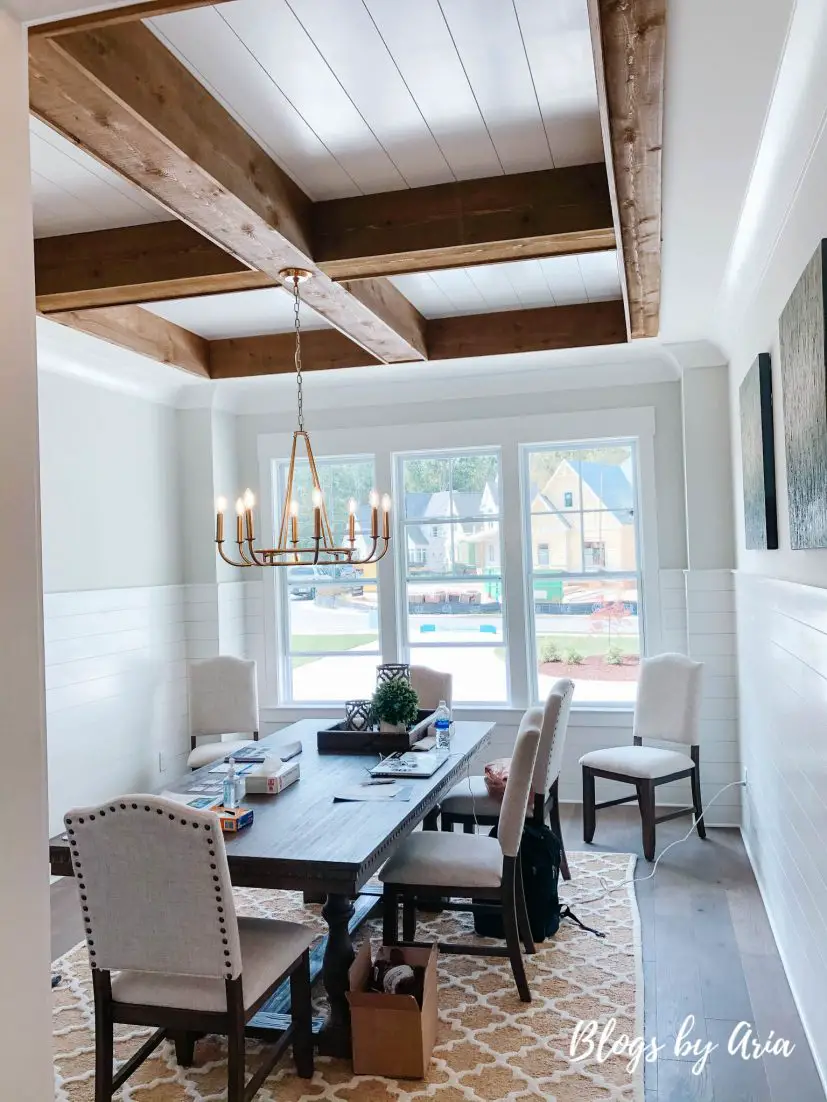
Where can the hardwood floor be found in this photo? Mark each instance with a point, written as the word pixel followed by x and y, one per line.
pixel 707 951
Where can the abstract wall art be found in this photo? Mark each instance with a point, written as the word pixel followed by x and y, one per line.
pixel 758 457
pixel 801 332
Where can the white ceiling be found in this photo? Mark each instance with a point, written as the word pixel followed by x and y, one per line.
pixel 73 193
pixel 522 284
pixel 360 96
pixel 240 314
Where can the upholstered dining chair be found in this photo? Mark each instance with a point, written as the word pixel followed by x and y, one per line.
pixel 470 804
pixel 223 700
pixel 431 686
pixel 667 708
pixel 463 865
pixel 158 910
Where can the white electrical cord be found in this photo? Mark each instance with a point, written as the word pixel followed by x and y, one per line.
pixel 608 886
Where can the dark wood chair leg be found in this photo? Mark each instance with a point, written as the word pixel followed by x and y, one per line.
pixel 301 1010
pixel 390 917
pixel 523 922
pixel 469 827
pixel 431 820
pixel 697 802
pixel 512 936
pixel 409 920
pixel 446 823
pixel 554 821
pixel 185 1048
pixel 235 1042
pixel 589 815
pixel 646 799
pixel 104 1036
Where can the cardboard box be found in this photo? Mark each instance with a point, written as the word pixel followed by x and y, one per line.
pixel 392 1036
pixel 266 779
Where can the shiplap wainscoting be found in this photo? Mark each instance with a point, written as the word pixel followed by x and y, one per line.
pixel 116 692
pixel 116 681
pixel 782 630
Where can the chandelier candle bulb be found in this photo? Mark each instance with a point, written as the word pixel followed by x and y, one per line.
pixel 317 514
pixel 351 520
pixel 249 502
pixel 294 521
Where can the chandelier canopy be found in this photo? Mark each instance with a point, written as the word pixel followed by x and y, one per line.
pixel 321 549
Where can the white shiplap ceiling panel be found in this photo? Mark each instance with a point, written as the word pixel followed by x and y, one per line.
pixel 365 96
pixel 240 314
pixel 74 193
pixel 520 285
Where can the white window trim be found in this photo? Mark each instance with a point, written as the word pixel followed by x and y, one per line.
pixel 507 433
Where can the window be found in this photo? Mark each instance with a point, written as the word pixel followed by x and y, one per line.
pixel 453 617
pixel 330 614
pixel 584 569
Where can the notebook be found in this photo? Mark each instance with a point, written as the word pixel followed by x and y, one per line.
pixel 410 764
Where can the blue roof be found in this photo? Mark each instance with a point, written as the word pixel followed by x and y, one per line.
pixel 611 484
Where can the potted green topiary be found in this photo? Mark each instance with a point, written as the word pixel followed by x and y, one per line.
pixel 395 705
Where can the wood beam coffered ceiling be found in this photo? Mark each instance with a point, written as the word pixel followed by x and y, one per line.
pixel 504 218
pixel 629 45
pixel 122 96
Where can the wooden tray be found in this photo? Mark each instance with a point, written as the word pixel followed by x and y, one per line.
pixel 340 740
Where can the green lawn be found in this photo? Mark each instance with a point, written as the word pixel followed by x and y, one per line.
pixel 326 643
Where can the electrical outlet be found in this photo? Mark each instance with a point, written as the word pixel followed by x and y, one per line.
pixel 162 762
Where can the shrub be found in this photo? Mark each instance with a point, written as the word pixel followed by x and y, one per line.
pixel 396 702
pixel 550 651
pixel 614 656
pixel 574 657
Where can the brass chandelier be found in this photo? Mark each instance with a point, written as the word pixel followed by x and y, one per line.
pixel 289 550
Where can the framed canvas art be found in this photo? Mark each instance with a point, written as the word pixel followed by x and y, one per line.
pixel 758 457
pixel 801 332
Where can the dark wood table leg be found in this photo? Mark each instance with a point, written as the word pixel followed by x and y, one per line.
pixel 334 1039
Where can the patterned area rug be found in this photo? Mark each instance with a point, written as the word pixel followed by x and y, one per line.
pixel 490 1048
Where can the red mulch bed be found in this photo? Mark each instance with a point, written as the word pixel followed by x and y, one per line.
pixel 593 668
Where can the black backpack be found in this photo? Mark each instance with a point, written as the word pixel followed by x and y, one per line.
pixel 540 853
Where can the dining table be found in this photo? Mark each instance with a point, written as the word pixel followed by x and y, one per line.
pixel 304 839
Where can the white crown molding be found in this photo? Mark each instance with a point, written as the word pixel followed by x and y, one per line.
pixel 69 352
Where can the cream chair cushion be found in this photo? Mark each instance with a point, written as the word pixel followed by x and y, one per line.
pixel 445 859
pixel 268 949
pixel 640 762
pixel 470 797
pixel 208 752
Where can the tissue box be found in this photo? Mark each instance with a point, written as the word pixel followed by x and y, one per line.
pixel 267 781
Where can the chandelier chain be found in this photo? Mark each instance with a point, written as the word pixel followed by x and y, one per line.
pixel 297 358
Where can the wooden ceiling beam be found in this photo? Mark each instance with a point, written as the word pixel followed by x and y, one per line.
pixel 532 214
pixel 122 96
pixel 135 264
pixel 140 331
pixel 629 46
pixel 130 13
pixel 510 332
pixel 505 218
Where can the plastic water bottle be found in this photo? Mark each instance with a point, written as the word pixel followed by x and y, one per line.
pixel 233 788
pixel 442 725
